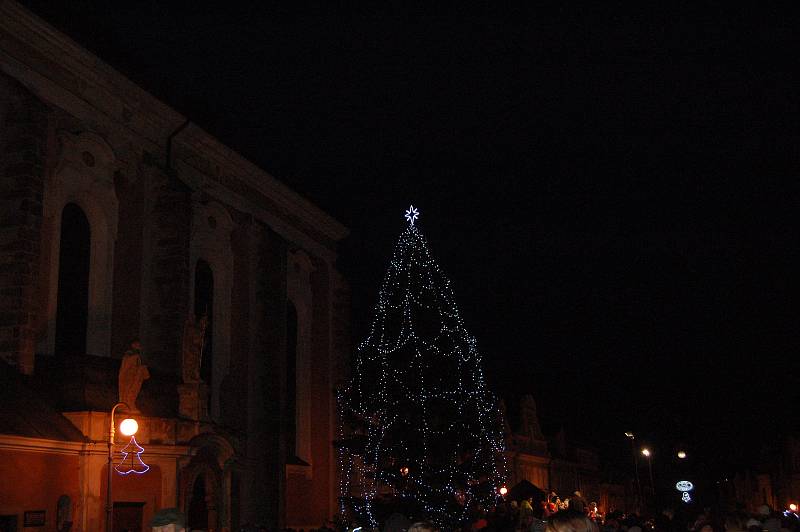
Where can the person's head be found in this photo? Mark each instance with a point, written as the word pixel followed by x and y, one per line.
pixel 570 521
pixel 422 526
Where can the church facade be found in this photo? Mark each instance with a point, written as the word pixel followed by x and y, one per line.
pixel 126 228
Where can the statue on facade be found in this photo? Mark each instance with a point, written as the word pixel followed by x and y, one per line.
pixel 132 373
pixel 194 335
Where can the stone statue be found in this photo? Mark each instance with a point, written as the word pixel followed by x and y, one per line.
pixel 194 334
pixel 132 373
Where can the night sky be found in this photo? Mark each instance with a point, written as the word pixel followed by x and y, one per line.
pixel 613 193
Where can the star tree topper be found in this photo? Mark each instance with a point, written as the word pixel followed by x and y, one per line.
pixel 412 214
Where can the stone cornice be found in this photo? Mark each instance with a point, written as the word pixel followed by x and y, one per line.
pixel 41 445
pixel 67 76
pixel 283 209
pixel 63 73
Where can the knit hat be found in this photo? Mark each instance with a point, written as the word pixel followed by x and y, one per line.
pixel 168 516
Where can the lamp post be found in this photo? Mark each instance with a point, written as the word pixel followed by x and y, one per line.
pixel 631 437
pixel 128 427
pixel 646 452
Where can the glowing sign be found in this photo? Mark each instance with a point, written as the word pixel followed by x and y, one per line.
pixel 686 497
pixel 684 486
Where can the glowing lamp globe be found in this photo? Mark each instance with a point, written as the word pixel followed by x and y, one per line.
pixel 793 507
pixel 503 491
pixel 646 452
pixel 128 427
pixel 681 454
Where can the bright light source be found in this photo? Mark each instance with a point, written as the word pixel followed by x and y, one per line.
pixel 681 454
pixel 629 435
pixel 504 490
pixel 646 452
pixel 128 427
pixel 404 471
pixel 793 507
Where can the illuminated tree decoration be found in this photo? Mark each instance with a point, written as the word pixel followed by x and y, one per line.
pixel 134 451
pixel 421 433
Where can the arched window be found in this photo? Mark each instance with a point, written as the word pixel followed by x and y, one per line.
pixel 204 305
pixel 211 289
pixel 72 307
pixel 79 229
pixel 291 377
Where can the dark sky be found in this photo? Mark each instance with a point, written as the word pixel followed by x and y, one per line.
pixel 613 193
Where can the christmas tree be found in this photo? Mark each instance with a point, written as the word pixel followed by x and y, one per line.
pixel 136 465
pixel 421 432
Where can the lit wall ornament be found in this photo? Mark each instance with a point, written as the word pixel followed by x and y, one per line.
pixel 135 465
pixel 685 487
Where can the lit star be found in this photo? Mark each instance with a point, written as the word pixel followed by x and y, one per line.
pixel 412 214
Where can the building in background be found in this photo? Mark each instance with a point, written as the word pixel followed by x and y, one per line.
pixel 123 221
pixel 556 463
pixel 775 482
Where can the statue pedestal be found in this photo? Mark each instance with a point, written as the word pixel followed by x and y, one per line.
pixel 193 401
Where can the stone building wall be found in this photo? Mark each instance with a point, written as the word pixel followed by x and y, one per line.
pixel 23 140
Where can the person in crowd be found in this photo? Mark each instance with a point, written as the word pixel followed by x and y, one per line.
pixel 735 522
pixel 754 525
pixel 577 502
pixel 423 526
pixel 570 521
pixel 526 513
pixel 594 513
pixel 771 520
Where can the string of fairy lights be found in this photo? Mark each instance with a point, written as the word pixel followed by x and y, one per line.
pixel 432 428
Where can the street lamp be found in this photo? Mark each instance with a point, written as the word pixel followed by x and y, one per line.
pixel 128 427
pixel 646 453
pixel 631 437
pixel 681 454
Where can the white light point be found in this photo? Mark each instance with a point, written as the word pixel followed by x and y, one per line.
pixel 412 214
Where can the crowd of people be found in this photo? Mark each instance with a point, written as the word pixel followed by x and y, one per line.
pixel 576 515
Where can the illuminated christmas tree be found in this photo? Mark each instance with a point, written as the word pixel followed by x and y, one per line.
pixel 421 432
